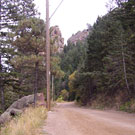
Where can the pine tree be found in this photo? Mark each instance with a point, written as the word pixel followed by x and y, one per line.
pixel 30 43
pixel 11 12
pixel 109 66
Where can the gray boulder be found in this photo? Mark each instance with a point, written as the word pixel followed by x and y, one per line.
pixel 22 103
pixel 5 117
pixel 18 106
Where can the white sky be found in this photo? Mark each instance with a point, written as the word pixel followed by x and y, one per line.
pixel 73 15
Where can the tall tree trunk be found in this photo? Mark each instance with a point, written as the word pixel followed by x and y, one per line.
pixel 36 83
pixel 2 99
pixel 125 71
pixel 1 88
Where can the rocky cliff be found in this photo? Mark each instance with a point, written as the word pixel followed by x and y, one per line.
pixel 79 36
pixel 56 38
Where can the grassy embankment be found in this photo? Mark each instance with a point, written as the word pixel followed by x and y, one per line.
pixel 28 123
pixel 116 103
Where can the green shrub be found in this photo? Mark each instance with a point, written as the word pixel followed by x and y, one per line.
pixel 65 94
pixel 60 99
pixel 128 106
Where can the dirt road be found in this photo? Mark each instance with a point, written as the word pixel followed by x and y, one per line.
pixel 68 119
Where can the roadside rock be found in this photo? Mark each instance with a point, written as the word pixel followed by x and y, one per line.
pixel 22 103
pixel 19 106
pixel 5 117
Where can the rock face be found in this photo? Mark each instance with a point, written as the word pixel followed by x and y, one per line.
pixel 56 38
pixel 79 36
pixel 18 106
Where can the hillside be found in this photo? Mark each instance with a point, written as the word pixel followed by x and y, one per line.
pixel 80 36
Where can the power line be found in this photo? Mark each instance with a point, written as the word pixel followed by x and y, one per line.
pixel 56 9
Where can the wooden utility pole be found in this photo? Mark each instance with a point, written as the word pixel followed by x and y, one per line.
pixel 48 56
pixel 48 52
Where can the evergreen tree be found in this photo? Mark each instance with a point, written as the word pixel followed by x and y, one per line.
pixel 29 42
pixel 109 66
pixel 72 59
pixel 11 12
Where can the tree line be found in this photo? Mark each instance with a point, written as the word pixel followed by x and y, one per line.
pixel 106 73
pixel 100 70
pixel 22 52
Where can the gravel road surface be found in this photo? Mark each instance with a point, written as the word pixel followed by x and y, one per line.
pixel 68 119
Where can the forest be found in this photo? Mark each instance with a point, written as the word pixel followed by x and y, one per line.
pixel 99 72
pixel 22 47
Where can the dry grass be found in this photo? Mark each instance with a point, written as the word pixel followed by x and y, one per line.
pixel 26 124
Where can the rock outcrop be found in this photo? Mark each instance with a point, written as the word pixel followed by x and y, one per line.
pixel 19 106
pixel 79 36
pixel 56 38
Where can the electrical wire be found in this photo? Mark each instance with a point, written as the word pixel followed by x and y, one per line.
pixel 56 9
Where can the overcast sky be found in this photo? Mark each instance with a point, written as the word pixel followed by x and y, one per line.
pixel 73 15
